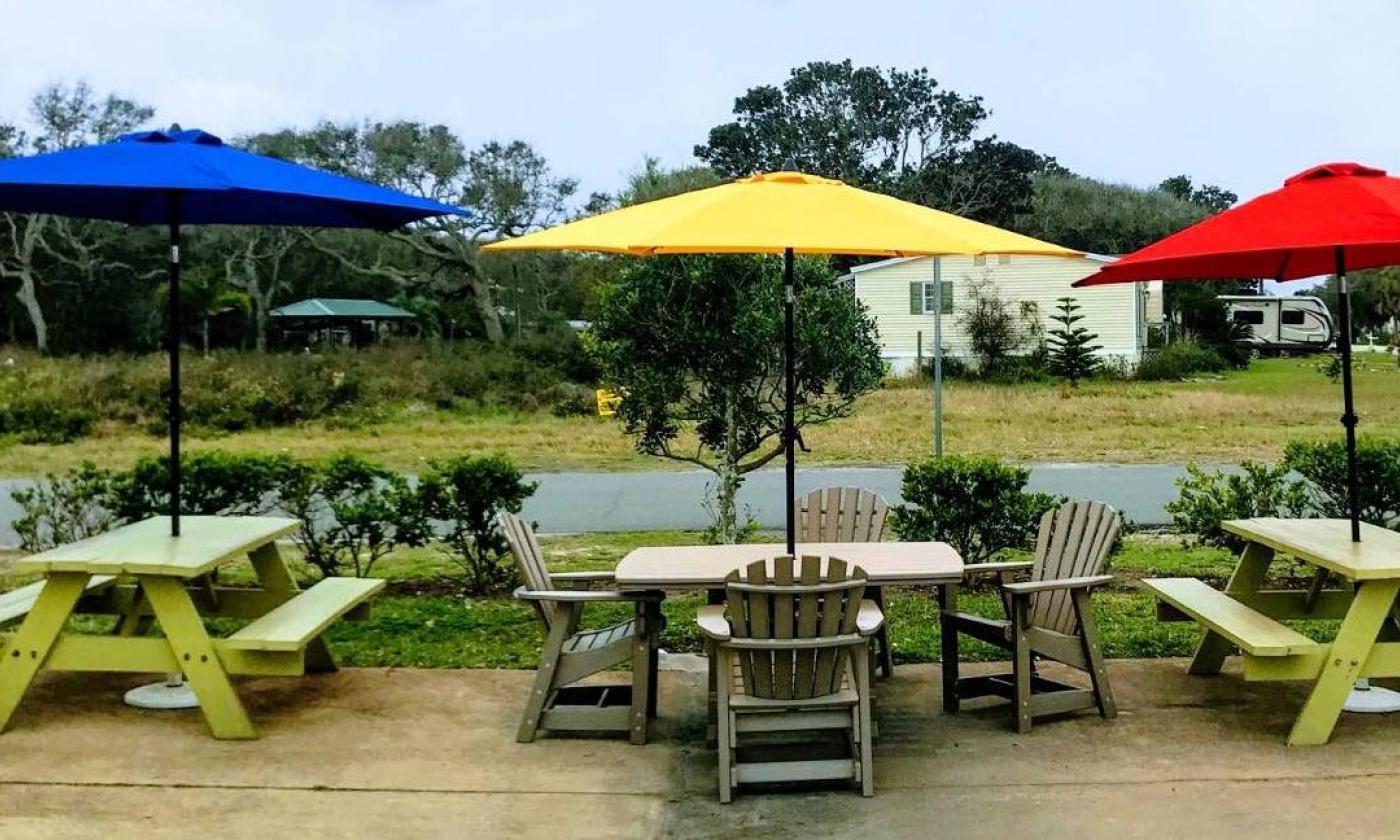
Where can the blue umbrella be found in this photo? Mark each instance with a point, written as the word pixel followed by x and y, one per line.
pixel 190 177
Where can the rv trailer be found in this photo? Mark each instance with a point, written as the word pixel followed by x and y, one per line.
pixel 1281 325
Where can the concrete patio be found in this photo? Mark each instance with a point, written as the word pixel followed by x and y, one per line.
pixel 405 753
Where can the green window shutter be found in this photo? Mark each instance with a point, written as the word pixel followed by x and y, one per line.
pixel 916 298
pixel 947 293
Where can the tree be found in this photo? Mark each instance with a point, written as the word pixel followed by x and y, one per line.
pixel 991 326
pixel 508 186
pixel 1071 347
pixel 1103 218
pixel 1209 196
pixel 204 295
pixel 254 258
pixel 64 117
pixel 695 344
pixel 894 131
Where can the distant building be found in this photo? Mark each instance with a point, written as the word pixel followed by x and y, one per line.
pixel 335 321
pixel 899 293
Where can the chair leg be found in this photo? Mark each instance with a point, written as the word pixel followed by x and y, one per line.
pixel 544 678
pixel 865 731
pixel 1093 654
pixel 654 622
pixel 1021 650
pixel 726 754
pixel 883 658
pixel 642 682
pixel 948 633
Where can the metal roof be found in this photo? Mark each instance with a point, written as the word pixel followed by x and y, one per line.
pixel 339 308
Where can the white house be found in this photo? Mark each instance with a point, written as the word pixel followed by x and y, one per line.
pixel 900 295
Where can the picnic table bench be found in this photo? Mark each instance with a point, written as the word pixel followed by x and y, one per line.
pixel 140 573
pixel 1247 617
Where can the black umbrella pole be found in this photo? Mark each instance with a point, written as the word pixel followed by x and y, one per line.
pixel 1349 418
pixel 789 394
pixel 173 331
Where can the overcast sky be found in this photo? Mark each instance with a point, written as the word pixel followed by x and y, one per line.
pixel 1236 93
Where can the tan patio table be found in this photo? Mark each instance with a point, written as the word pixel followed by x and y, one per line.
pixel 704 567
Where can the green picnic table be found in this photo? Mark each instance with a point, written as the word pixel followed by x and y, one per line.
pixel 139 572
pixel 1247 617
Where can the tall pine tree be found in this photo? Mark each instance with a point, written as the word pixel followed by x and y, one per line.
pixel 1072 347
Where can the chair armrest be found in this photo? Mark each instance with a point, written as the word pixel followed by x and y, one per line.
pixel 712 623
pixel 997 568
pixel 581 580
pixel 869 619
pixel 1033 586
pixel 584 595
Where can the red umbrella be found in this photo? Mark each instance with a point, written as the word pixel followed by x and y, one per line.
pixel 1327 219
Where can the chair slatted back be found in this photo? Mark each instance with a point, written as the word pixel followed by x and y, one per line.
pixel 841 514
pixel 793 635
pixel 1075 540
pixel 528 557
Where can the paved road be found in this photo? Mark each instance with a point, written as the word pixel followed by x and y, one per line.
pixel 581 501
pixel 651 500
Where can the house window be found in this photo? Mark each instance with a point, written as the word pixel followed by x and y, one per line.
pixel 1292 317
pixel 923 298
pixel 979 259
pixel 1003 259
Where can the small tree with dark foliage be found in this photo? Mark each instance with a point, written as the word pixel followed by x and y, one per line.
pixel 1072 347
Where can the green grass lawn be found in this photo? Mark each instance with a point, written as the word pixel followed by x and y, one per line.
pixel 1247 414
pixel 421 622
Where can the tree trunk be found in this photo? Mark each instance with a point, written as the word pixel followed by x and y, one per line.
pixel 23 245
pixel 204 333
pixel 727 478
pixel 486 307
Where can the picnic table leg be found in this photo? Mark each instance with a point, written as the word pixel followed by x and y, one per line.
pixel 1247 577
pixel 948 638
pixel 30 646
pixel 190 643
pixel 1370 609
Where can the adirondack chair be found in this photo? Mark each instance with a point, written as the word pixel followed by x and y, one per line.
pixel 1047 616
pixel 557 701
pixel 792 655
pixel 849 514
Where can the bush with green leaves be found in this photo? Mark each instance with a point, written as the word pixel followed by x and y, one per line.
pixel 978 505
pixel 1180 360
pixel 465 493
pixel 65 508
pixel 1209 497
pixel 353 512
pixel 212 481
pixel 1324 466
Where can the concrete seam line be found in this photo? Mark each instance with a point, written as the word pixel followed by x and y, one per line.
pixel 324 789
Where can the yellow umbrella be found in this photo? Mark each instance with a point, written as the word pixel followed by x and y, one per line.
pixel 781 213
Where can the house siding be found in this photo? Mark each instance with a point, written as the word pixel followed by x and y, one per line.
pixel 1113 312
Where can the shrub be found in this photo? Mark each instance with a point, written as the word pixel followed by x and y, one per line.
pixel 992 328
pixel 978 505
pixel 1324 466
pixel 353 512
pixel 1180 360
pixel 1209 498
pixel 65 508
pixel 212 482
pixel 466 493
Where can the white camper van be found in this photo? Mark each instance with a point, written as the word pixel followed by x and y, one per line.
pixel 1282 324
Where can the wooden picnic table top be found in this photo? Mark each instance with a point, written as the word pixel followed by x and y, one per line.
pixel 705 566
pixel 147 548
pixel 1327 543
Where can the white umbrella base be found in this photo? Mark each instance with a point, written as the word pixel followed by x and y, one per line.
pixel 1370 699
pixel 167 694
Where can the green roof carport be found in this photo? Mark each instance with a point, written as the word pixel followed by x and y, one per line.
pixel 340 308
